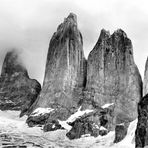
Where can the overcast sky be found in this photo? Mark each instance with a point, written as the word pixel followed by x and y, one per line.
pixel 29 24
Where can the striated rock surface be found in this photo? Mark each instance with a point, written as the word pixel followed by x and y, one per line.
pixel 145 81
pixel 17 90
pixel 65 73
pixel 120 132
pixel 141 134
pixel 113 77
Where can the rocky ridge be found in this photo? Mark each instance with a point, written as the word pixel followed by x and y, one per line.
pixel 17 90
pixel 109 76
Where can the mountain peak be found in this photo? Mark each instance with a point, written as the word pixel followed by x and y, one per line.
pixel 69 21
pixel 12 63
pixel 104 34
pixel 72 17
pixel 120 32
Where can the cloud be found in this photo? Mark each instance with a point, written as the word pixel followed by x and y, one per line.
pixel 29 25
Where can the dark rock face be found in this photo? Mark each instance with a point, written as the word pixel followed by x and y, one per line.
pixel 90 124
pixel 141 134
pixel 106 118
pixel 65 73
pixel 113 77
pixel 120 132
pixel 103 132
pixel 83 126
pixel 52 126
pixel 37 121
pixel 17 90
pixel 58 114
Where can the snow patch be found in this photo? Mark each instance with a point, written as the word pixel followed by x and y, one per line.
pixel 73 117
pixel 78 114
pixel 96 126
pixel 53 126
pixel 65 125
pixel 107 105
pixel 86 135
pixel 103 128
pixel 13 126
pixel 121 124
pixel 41 111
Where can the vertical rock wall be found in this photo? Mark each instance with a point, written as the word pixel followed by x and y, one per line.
pixel 112 75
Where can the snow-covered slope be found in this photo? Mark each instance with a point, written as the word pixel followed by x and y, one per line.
pixel 73 117
pixel 14 131
pixel 107 105
pixel 41 111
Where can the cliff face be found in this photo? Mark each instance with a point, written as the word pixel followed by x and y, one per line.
pixel 108 78
pixel 145 81
pixel 17 90
pixel 65 72
pixel 141 134
pixel 113 77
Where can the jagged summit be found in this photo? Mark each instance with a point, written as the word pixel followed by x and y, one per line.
pixel 104 35
pixel 71 18
pixel 17 90
pixel 120 32
pixel 13 64
pixel 121 37
pixel 67 29
pixel 69 22
pixel 118 38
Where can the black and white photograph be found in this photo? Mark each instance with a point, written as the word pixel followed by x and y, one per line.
pixel 73 73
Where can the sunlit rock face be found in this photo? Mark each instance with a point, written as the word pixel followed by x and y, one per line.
pixel 17 90
pixel 112 75
pixel 65 72
pixel 145 81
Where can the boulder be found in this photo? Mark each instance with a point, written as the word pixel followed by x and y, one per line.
pixel 94 124
pixel 83 126
pixel 52 126
pixel 103 131
pixel 120 132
